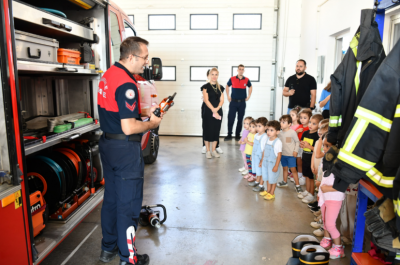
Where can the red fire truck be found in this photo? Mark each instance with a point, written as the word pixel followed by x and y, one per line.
pixel 52 56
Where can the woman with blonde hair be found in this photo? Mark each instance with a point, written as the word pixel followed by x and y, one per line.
pixel 213 94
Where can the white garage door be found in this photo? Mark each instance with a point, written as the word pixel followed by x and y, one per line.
pixel 193 36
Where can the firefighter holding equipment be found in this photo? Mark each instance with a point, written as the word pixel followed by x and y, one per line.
pixel 121 152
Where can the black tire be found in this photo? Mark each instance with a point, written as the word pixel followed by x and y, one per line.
pixel 154 143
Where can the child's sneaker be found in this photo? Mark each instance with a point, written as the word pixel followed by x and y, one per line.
pixel 291 179
pixel 319 231
pixel 251 179
pixel 302 195
pixel 315 209
pixel 298 189
pixel 245 172
pixel 336 252
pixel 253 184
pixel 258 188
pixel 317 213
pixel 317 218
pixel 326 243
pixel 313 204
pixel 263 193
pixel 317 224
pixel 242 169
pixel 282 184
pixel 247 176
pixel 269 197
pixel 309 198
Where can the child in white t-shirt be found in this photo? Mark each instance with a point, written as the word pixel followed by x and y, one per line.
pixel 271 159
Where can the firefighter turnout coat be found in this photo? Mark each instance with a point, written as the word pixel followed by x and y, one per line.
pixel 371 148
pixel 352 77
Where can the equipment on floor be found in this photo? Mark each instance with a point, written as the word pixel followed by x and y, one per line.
pixel 165 104
pixel 150 217
pixel 314 254
pixel 299 242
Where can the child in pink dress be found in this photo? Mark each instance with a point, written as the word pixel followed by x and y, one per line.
pixel 330 201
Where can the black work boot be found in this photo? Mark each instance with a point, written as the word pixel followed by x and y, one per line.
pixel 228 138
pixel 141 260
pixel 107 256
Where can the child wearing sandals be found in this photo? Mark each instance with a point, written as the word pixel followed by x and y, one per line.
pixel 246 126
pixel 249 140
pixel 330 201
pixel 256 155
pixel 271 159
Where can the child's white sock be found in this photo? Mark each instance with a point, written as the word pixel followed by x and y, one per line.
pixel 261 185
pixel 327 238
pixel 300 175
pixel 297 185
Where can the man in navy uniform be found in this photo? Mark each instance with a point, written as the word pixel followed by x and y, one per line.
pixel 121 152
pixel 237 101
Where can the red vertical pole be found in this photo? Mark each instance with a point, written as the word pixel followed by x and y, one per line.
pixel 14 100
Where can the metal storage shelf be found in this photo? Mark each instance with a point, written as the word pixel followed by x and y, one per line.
pixel 41 67
pixel 55 232
pixel 35 20
pixel 58 138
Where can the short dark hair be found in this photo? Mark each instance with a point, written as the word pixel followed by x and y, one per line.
pixel 240 65
pixel 253 122
pixel 249 118
pixel 275 124
pixel 208 72
pixel 317 117
pixel 131 45
pixel 286 118
pixel 306 111
pixel 262 120
pixel 301 60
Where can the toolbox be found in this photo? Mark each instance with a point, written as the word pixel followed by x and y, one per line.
pixel 68 56
pixel 35 48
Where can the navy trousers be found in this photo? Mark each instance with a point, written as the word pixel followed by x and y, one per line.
pixel 236 107
pixel 123 168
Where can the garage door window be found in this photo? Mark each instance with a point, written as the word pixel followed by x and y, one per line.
pixel 247 21
pixel 204 22
pixel 115 38
pixel 169 73
pixel 199 73
pixel 251 72
pixel 162 22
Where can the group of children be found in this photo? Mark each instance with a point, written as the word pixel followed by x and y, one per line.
pixel 298 143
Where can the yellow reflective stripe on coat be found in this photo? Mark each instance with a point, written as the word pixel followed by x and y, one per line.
pixel 333 121
pixel 357 77
pixel 396 206
pixel 355 161
pixel 377 177
pixel 355 135
pixel 374 118
pixel 397 113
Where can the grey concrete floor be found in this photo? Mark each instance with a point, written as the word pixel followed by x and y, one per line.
pixel 214 217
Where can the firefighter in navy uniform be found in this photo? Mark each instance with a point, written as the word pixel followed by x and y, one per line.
pixel 121 152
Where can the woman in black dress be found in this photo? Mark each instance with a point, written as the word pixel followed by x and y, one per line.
pixel 213 94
